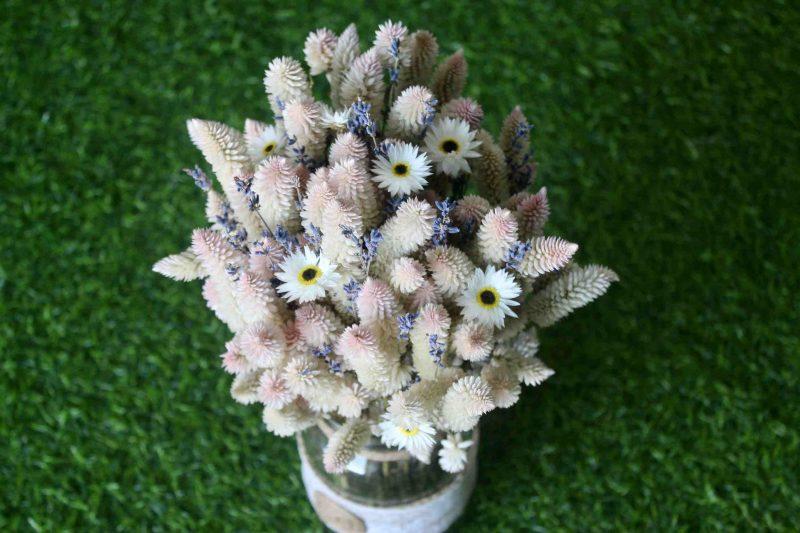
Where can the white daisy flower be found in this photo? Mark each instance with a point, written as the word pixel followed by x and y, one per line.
pixel 488 296
pixel 305 276
pixel 449 143
pixel 403 170
pixel 453 453
pixel 417 439
pixel 264 141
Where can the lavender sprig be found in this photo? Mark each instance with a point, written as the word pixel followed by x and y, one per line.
pixel 405 323
pixel 298 191
pixel 245 186
pixel 520 172
pixel 382 150
pixel 238 239
pixel 392 204
pixel 314 237
pixel 351 290
pixel 263 247
pixel 516 253
pixel 430 111
pixel 287 241
pixel 324 352
pixel 199 177
pixel 234 271
pixel 252 201
pixel 225 217
pixel 234 233
pixel 394 72
pixel 428 116
pixel 300 155
pixel 441 225
pixel 436 349
pixel 350 234
pixel 361 123
pixel 368 245
pixel 281 107
pixel 394 52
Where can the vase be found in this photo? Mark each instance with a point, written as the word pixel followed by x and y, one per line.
pixel 384 489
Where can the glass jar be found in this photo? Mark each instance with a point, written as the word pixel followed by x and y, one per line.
pixel 395 492
pixel 391 476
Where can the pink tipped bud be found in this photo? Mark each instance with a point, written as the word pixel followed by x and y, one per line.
pixel 407 275
pixel 375 301
pixel 473 341
pixel 318 50
pixel 272 390
pixel 263 344
pixel 470 210
pixel 316 323
pixel 498 231
pixel 348 145
pixel 533 213
pixel 466 109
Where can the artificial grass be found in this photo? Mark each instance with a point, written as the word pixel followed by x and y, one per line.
pixel 667 137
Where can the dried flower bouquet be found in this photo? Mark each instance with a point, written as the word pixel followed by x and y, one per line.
pixel 361 283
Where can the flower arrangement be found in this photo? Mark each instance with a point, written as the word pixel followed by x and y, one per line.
pixel 363 282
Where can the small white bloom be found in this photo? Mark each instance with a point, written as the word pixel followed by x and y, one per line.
pixel 335 120
pixel 285 80
pixel 403 171
pixel 306 275
pixel 272 390
pixel 417 439
pixel 318 49
pixel 488 296
pixel 449 143
pixel 266 141
pixel 453 453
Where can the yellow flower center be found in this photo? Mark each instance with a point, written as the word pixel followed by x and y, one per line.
pixel 488 298
pixel 409 432
pixel 449 146
pixel 309 275
pixel 268 148
pixel 400 170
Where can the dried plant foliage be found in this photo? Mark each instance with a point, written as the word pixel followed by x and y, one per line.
pixel 401 311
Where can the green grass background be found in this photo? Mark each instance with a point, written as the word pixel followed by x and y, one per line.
pixel 667 136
